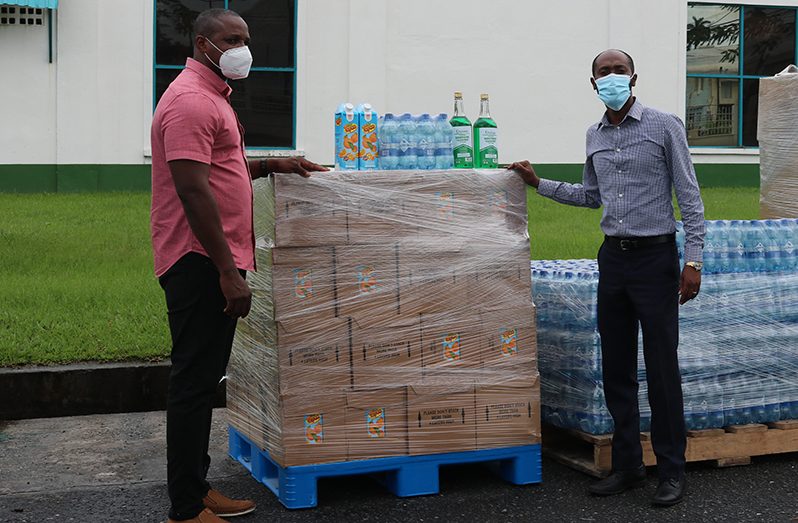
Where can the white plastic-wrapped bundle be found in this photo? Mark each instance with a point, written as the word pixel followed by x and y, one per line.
pixel 738 349
pixel 778 134
pixel 392 315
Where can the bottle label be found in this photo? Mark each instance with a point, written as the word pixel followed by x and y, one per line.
pixel 463 151
pixel 488 150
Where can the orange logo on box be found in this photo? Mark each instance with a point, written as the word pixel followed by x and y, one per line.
pixel 445 204
pixel 350 128
pixel 451 347
pixel 509 341
pixel 366 279
pixel 303 283
pixel 314 429
pixel 369 128
pixel 375 422
pixel 498 202
pixel 338 121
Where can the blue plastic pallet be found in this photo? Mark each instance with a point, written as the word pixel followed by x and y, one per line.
pixel 405 476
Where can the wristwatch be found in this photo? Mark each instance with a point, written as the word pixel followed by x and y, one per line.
pixel 695 265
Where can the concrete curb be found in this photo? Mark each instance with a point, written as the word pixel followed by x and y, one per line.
pixel 85 388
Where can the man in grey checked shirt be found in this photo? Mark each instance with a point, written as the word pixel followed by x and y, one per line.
pixel 635 157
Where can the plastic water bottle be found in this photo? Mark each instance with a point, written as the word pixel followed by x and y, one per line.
pixel 724 265
pixel 425 132
pixel 444 136
pixel 786 239
pixel 408 155
pixel 755 246
pixel 387 137
pixel 772 247
pixel 710 245
pixel 737 259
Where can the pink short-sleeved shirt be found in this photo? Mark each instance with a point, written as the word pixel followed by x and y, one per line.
pixel 195 121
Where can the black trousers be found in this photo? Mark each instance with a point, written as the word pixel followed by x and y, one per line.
pixel 202 337
pixel 640 288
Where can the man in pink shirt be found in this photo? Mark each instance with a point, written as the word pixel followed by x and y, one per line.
pixel 203 242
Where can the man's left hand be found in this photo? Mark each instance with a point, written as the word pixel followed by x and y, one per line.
pixel 296 165
pixel 689 284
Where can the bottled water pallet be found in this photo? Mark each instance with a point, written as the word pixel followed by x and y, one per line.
pixel 405 476
pixel 729 446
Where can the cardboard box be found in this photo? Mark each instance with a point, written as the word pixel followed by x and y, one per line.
pixel 501 278
pixel 508 415
pixel 304 284
pixel 777 134
pixel 432 278
pixel 462 277
pixel 376 423
pixel 378 206
pixel 386 353
pixel 314 356
pixel 309 212
pixel 313 429
pixel 510 345
pixel 488 206
pixel 367 281
pixel 452 347
pixel 440 419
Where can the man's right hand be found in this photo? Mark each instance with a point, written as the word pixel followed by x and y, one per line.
pixel 236 293
pixel 526 171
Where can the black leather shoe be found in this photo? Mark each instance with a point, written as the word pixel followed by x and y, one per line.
pixel 669 492
pixel 619 481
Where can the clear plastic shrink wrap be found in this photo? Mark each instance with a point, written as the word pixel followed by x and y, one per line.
pixel 391 315
pixel 778 134
pixel 738 346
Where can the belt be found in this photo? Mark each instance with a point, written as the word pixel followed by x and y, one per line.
pixel 630 244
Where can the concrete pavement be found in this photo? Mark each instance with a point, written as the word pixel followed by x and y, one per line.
pixel 112 468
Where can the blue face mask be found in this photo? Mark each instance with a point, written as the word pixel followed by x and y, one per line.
pixel 614 90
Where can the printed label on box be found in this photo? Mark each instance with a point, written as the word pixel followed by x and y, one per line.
pixel 366 279
pixel 303 283
pixel 314 429
pixel 442 416
pixel 509 341
pixel 375 422
pixel 451 347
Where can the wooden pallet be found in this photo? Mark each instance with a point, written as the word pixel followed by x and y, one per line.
pixel 729 446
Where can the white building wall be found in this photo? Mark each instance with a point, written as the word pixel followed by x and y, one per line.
pixel 27 96
pixel 94 103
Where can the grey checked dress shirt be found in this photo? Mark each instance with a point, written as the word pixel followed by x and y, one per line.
pixel 631 170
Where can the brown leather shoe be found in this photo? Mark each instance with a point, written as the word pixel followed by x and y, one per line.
pixel 223 506
pixel 206 516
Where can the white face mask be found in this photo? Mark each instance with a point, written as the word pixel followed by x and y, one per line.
pixel 234 63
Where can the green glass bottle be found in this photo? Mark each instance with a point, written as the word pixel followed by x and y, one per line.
pixel 461 125
pixel 486 134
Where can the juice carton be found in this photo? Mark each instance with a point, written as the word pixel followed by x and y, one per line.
pixel 347 139
pixel 368 119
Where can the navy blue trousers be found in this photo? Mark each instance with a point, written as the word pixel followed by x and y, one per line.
pixel 639 289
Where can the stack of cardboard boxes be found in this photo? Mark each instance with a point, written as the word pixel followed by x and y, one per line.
pixel 777 135
pixel 391 316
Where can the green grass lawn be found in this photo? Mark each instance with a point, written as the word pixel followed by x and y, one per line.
pixel 559 231
pixel 77 281
pixel 76 270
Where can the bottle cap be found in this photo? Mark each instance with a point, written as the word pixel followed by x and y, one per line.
pixel 483 96
pixel 458 94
